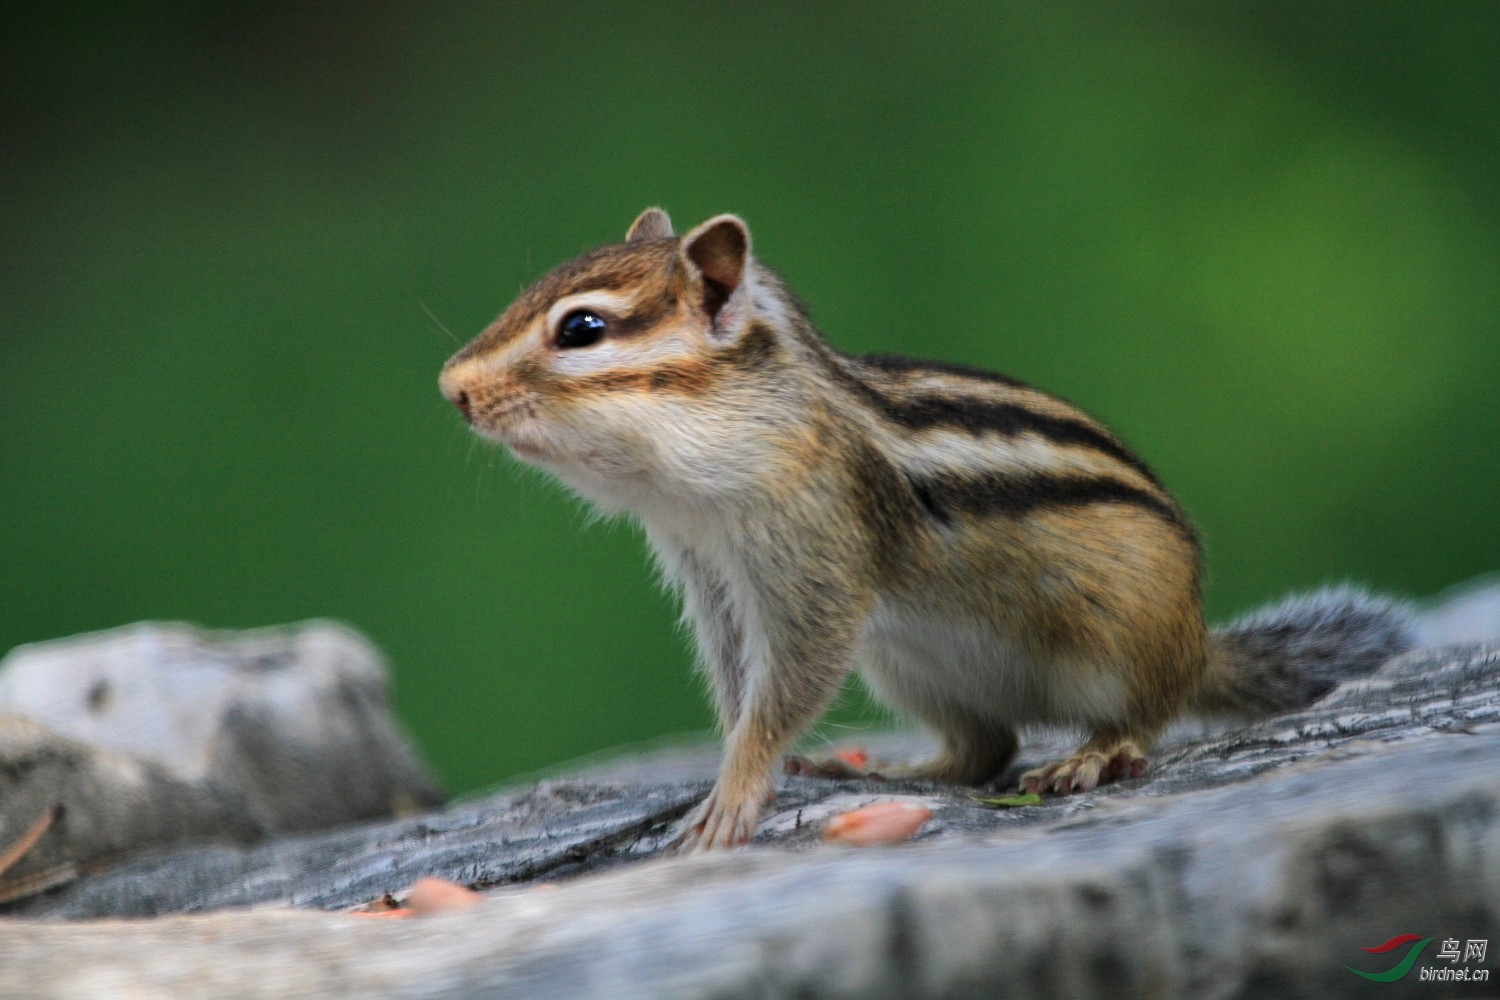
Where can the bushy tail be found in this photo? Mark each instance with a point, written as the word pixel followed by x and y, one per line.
pixel 1290 654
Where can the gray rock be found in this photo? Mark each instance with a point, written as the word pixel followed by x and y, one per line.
pixel 1465 612
pixel 159 733
pixel 549 831
pixel 108 804
pixel 1256 862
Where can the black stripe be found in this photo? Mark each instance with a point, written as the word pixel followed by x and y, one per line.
pixel 981 416
pixel 929 502
pixel 643 320
pixel 755 350
pixel 1018 495
pixel 896 364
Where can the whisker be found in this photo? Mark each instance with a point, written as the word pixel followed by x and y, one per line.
pixel 478 479
pixel 439 323
pixel 458 434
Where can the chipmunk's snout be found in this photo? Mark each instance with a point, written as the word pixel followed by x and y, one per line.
pixel 448 386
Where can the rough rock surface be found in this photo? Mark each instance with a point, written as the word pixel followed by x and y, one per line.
pixel 1257 862
pixel 1464 613
pixel 156 733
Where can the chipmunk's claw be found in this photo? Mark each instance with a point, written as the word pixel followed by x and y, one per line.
pixel 1087 769
pixel 716 824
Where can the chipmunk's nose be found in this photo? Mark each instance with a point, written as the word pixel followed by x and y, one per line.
pixel 458 397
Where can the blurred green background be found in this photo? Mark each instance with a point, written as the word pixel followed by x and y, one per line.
pixel 1261 241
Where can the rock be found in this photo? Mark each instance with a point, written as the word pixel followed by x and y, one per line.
pixel 1256 862
pixel 157 733
pixel 1465 612
pixel 110 804
pixel 549 831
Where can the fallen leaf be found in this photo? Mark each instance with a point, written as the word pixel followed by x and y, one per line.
pixel 1009 801
pixel 435 895
pixel 882 823
pixel 855 757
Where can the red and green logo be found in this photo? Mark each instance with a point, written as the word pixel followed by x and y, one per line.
pixel 1402 967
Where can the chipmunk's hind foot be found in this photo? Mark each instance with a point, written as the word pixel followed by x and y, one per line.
pixel 1097 762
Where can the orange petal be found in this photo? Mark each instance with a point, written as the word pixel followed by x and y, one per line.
pixel 882 823
pixel 434 895
pixel 855 757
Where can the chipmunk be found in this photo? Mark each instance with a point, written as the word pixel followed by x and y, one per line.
pixel 987 555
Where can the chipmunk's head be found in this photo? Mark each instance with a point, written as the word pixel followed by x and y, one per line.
pixel 624 363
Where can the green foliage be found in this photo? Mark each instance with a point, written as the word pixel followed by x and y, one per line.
pixel 1262 241
pixel 1008 801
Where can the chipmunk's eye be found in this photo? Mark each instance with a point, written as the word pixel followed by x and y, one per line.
pixel 580 329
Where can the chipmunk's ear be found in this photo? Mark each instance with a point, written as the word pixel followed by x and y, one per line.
pixel 652 224
pixel 719 250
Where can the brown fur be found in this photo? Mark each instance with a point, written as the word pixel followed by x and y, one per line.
pixel 644 266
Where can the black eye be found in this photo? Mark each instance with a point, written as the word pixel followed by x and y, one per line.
pixel 580 329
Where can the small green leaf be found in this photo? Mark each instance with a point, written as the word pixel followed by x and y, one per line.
pixel 1010 801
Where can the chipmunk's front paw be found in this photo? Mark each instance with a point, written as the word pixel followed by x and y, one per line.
pixel 1087 769
pixel 717 823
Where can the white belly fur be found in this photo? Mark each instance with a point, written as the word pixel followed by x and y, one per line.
pixel 938 668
